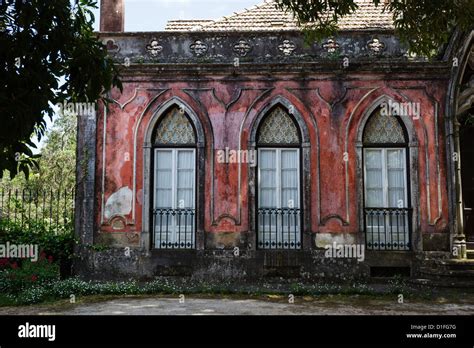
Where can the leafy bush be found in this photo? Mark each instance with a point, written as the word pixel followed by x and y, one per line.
pixel 16 276
pixel 57 241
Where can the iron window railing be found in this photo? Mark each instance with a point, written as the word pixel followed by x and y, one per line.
pixel 388 228
pixel 279 228
pixel 174 228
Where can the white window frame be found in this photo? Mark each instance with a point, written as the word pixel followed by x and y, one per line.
pixel 279 234
pixel 385 187
pixel 387 237
pixel 174 235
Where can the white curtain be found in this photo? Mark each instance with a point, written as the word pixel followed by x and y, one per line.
pixel 164 179
pixel 279 188
pixel 268 178
pixel 385 187
pixel 396 178
pixel 185 173
pixel 174 189
pixel 289 179
pixel 374 179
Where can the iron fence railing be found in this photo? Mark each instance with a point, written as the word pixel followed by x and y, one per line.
pixel 388 228
pixel 51 209
pixel 174 228
pixel 279 228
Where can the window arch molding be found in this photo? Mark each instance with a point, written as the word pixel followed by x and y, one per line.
pixel 305 146
pixel 161 112
pixel 296 116
pixel 412 169
pixel 148 145
pixel 406 122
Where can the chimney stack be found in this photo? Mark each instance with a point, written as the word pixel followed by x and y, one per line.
pixel 112 13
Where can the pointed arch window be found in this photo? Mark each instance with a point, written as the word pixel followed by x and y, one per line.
pixel 279 193
pixel 386 183
pixel 174 193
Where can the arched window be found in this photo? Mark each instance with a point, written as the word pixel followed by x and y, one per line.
pixel 174 194
pixel 279 197
pixel 387 210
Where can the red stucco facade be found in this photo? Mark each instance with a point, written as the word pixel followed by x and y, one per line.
pixel 333 109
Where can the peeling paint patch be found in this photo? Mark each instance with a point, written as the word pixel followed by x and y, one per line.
pixel 119 203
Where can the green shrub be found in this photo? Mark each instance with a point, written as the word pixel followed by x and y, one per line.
pixel 16 277
pixel 55 240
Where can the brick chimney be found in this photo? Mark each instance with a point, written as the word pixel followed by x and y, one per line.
pixel 112 13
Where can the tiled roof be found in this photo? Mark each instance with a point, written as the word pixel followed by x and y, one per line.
pixel 187 25
pixel 266 17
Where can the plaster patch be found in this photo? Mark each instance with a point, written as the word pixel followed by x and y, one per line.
pixel 324 239
pixel 119 203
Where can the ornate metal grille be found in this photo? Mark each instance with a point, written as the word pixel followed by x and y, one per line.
pixel 279 228
pixel 174 228
pixel 175 129
pixel 388 228
pixel 278 128
pixel 381 129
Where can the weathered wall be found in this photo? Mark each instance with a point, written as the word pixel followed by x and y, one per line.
pixel 227 98
pixel 332 110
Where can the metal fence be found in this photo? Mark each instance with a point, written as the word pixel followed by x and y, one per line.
pixel 279 228
pixel 388 228
pixel 52 209
pixel 174 228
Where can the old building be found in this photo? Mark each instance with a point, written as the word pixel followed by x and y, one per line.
pixel 239 150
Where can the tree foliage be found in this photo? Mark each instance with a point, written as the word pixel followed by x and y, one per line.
pixel 424 25
pixel 56 167
pixel 49 54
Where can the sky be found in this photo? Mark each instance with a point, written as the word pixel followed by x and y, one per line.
pixel 152 15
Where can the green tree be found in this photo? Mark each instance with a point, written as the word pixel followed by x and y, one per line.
pixel 56 167
pixel 424 25
pixel 41 43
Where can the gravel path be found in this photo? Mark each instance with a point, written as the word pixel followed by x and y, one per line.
pixel 347 305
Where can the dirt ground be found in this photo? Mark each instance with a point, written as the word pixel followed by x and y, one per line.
pixel 254 305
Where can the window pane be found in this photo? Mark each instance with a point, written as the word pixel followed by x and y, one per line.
pixel 396 180
pixel 374 178
pixel 289 159
pixel 268 198
pixel 395 159
pixel 174 190
pixel 163 183
pixel 164 159
pixel 163 198
pixel 373 159
pixel 267 159
pixel 268 183
pixel 185 189
pixel 186 159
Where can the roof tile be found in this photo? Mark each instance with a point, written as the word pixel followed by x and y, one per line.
pixel 267 17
